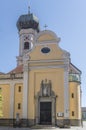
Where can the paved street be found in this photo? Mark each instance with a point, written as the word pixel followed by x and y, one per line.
pixel 52 128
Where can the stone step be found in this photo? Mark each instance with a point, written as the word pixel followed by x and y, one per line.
pixel 43 127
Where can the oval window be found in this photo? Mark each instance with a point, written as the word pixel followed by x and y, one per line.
pixel 45 50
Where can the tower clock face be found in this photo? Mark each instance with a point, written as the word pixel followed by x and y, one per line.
pixel 28 37
pixel 31 37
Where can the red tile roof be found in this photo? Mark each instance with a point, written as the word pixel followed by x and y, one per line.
pixel 18 69
pixel 2 73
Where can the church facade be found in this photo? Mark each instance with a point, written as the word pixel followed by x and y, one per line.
pixel 45 87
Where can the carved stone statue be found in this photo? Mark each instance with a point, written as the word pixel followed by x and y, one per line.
pixel 46 87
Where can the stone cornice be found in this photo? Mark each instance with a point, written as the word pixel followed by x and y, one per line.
pixel 11 81
pixel 47 67
pixel 12 77
pixel 47 61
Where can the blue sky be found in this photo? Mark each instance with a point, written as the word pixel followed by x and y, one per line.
pixel 67 18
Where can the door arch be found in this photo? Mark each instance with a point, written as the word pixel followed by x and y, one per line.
pixel 45 96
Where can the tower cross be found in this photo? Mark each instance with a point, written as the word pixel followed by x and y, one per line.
pixel 45 26
pixel 28 9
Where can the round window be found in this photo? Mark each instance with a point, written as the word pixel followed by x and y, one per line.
pixel 45 50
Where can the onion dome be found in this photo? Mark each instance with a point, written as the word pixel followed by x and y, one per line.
pixel 28 21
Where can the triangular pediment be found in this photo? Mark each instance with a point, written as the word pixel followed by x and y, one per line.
pixel 47 49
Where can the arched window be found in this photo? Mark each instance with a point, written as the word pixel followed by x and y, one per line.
pixel 19 105
pixel 19 89
pixel 72 95
pixel 26 45
pixel 73 113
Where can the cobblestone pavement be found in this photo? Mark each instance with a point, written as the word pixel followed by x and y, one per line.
pixel 51 128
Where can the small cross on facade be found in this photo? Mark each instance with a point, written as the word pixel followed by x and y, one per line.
pixel 29 7
pixel 29 10
pixel 45 26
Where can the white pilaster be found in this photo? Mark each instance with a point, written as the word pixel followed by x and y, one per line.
pixel 66 92
pixel 21 43
pixel 25 88
pixel 12 100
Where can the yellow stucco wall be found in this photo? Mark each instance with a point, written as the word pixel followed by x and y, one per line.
pixel 46 37
pixel 41 67
pixel 35 77
pixel 18 98
pixel 55 53
pixel 55 75
pixel 5 93
pixel 75 102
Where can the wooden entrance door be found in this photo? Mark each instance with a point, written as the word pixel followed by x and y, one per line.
pixel 45 113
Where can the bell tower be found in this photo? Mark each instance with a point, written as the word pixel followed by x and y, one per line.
pixel 28 27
